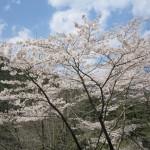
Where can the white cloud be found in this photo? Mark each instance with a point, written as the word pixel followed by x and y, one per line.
pixel 58 3
pixel 109 5
pixel 60 19
pixel 78 4
pixel 63 21
pixel 87 5
pixel 16 1
pixel 146 34
pixel 7 7
pixel 22 35
pixel 114 43
pixel 2 26
pixel 141 8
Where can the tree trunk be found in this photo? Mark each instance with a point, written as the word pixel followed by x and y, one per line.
pixel 106 134
pixel 43 136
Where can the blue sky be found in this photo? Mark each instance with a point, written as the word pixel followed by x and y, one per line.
pixel 23 19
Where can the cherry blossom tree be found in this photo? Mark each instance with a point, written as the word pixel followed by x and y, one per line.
pixel 102 74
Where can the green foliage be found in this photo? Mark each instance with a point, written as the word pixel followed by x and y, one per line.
pixel 115 113
pixel 55 134
pixel 8 138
